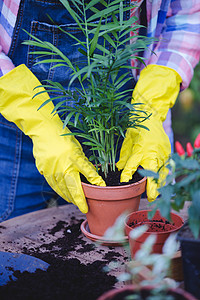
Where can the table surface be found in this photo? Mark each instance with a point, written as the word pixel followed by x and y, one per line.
pixel 28 231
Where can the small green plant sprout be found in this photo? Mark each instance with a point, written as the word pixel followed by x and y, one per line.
pixel 182 184
pixel 102 109
pixel 155 266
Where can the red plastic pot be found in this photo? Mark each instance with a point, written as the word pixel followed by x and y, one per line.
pixel 107 203
pixel 130 289
pixel 158 226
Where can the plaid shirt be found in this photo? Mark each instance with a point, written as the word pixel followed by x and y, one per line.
pixel 175 22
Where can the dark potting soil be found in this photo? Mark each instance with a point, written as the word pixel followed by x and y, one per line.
pixel 156 227
pixel 113 178
pixel 66 278
pixel 159 225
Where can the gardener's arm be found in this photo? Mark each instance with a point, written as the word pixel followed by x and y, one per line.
pixel 170 68
pixel 59 158
pixel 179 46
pixel 6 64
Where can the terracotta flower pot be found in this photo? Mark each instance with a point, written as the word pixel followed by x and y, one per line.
pixel 107 203
pixel 158 226
pixel 122 293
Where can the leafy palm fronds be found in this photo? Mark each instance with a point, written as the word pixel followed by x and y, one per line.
pixel 102 109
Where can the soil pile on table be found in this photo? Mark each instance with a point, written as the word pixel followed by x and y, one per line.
pixel 66 278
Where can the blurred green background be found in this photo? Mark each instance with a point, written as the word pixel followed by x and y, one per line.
pixel 186 111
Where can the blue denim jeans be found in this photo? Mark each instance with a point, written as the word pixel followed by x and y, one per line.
pixel 22 188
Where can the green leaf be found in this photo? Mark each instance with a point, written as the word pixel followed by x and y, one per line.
pixel 82 51
pixel 196 199
pixel 35 38
pixel 65 58
pixel 121 13
pixel 102 13
pixel 44 103
pixel 95 39
pixel 190 164
pixel 177 207
pixel 109 39
pixel 42 52
pixel 178 203
pixel 59 104
pixel 42 92
pixel 123 82
pixel 73 36
pixel 56 84
pixel 148 173
pixel 152 212
pixel 194 220
pixel 74 15
pixel 76 119
pixel 186 180
pixel 77 74
pixel 91 4
pixel 67 119
pixel 104 3
pixel 126 40
pixel 81 3
pixel 167 192
pixel 47 61
pixel 115 20
pixel 37 44
pixel 103 49
pixel 165 208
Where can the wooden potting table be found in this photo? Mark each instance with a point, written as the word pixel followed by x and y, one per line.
pixel 28 231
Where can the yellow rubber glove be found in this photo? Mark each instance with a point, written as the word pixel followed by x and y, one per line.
pixel 59 158
pixel 157 88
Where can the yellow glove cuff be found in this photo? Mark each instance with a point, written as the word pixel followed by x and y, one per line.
pixel 157 88
pixel 18 104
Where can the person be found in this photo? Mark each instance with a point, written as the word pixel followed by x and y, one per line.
pixel 35 159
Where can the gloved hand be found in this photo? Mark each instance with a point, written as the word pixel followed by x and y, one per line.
pixel 59 158
pixel 157 88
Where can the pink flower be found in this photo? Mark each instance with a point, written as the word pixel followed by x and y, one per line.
pixel 197 142
pixel 189 149
pixel 179 148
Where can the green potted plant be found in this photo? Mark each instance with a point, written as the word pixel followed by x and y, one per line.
pixel 183 185
pixel 148 275
pixel 102 108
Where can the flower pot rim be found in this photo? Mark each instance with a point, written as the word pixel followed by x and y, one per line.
pixel 100 239
pixel 115 186
pixel 156 232
pixel 114 292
